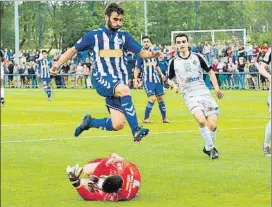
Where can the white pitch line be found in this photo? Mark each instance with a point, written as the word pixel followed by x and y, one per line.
pixel 172 121
pixel 121 135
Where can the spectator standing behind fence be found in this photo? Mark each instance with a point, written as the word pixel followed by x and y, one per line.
pixel 241 69
pixel 249 52
pixel 236 74
pixel 10 73
pixel 86 74
pixel 235 53
pixel 216 70
pixel 65 70
pixel 72 73
pixel 32 74
pixel 256 51
pixel 207 50
pixel 253 69
pixel 79 75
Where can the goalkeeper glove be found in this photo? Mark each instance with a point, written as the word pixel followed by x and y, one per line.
pixel 74 173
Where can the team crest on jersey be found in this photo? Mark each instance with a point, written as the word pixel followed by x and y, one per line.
pixel 194 62
pixel 120 41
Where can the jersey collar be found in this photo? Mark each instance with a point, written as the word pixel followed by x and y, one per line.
pixel 107 31
pixel 183 57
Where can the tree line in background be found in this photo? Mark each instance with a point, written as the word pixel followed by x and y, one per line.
pixel 59 25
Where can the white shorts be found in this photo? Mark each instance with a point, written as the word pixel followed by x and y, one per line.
pixel 2 72
pixel 269 99
pixel 203 103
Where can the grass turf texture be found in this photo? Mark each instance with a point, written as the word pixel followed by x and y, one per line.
pixel 37 144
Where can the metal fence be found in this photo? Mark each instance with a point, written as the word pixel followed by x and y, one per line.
pixel 226 80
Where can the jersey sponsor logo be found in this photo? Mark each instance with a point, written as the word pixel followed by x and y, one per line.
pixel 110 53
pixel 150 64
pixel 120 41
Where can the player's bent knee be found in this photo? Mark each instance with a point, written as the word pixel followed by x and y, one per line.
pixel 118 125
pixel 160 98
pixel 152 99
pixel 122 89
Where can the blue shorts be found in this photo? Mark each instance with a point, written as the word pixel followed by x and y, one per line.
pixel 153 89
pixel 47 80
pixel 114 103
pixel 105 86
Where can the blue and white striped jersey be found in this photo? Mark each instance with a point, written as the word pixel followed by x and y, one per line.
pixel 109 51
pixel 148 68
pixel 44 68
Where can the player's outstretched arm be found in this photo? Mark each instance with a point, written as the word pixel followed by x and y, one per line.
pixel 149 54
pixel 159 71
pixel 263 71
pixel 64 58
pixel 136 73
pixel 217 90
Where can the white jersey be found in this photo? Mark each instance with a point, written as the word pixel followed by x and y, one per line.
pixel 2 63
pixel 267 60
pixel 189 74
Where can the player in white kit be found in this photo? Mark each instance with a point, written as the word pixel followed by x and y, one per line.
pixel 2 62
pixel 187 69
pixel 262 69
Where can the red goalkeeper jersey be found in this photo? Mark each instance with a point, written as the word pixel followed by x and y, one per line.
pixel 128 171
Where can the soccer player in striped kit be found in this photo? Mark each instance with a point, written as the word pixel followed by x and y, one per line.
pixel 2 65
pixel 151 81
pixel 187 68
pixel 110 77
pixel 267 138
pixel 44 67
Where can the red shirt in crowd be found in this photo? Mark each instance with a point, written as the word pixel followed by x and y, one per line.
pixel 128 171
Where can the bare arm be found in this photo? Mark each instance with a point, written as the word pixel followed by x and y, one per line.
pixel 263 71
pixel 149 54
pixel 136 73
pixel 64 58
pixel 217 91
pixel 159 71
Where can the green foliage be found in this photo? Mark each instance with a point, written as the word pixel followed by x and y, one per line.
pixel 55 24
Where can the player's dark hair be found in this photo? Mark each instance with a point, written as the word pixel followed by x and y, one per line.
pixel 146 37
pixel 182 35
pixel 112 184
pixel 113 7
pixel 44 51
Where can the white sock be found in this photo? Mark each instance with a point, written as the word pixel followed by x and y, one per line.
pixel 267 137
pixel 2 92
pixel 205 132
pixel 213 134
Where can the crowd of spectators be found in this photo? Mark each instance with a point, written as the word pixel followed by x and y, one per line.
pixel 236 67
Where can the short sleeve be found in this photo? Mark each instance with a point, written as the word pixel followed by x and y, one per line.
pixel 86 42
pixel 203 63
pixel 139 62
pixel 131 44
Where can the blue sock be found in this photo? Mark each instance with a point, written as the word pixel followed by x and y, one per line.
pixel 48 92
pixel 148 109
pixel 104 124
pixel 162 109
pixel 129 112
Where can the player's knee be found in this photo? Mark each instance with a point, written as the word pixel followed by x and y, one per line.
pixel 122 89
pixel 152 99
pixel 118 125
pixel 160 99
pixel 201 121
pixel 213 127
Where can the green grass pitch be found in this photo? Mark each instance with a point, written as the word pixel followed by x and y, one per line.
pixel 37 144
